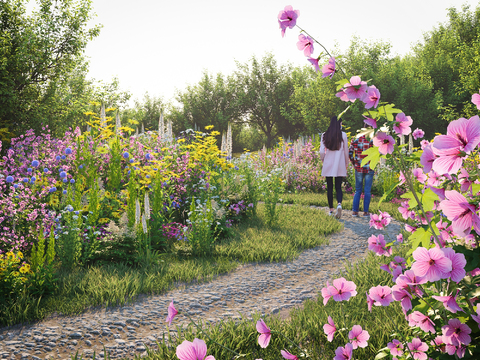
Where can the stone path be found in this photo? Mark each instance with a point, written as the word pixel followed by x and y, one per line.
pixel 268 288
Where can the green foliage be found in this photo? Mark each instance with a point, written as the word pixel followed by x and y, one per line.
pixel 201 234
pixel 272 187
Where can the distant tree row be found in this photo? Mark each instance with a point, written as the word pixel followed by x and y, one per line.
pixel 44 80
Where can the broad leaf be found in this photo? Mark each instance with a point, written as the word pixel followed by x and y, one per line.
pixel 373 156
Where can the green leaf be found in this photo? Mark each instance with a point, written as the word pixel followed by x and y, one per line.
pixel 474 293
pixel 475 188
pixel 412 202
pixel 388 111
pixel 428 199
pixel 420 236
pixel 373 156
pixel 340 83
pixel 343 112
pixel 388 192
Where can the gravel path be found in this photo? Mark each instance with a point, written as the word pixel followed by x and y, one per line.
pixel 268 288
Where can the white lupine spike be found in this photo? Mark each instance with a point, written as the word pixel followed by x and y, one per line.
pixel 147 206
pixel 144 224
pixel 143 129
pixel 223 149
pixel 229 140
pixel 136 131
pixel 137 212
pixel 410 143
pixel 169 131
pixel 161 127
pixel 103 117
pixel 118 124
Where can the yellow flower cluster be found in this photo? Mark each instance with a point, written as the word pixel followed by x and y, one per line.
pixel 10 264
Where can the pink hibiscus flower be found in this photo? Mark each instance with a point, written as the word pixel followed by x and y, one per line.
pixel 196 350
pixel 329 329
pixel 458 264
pixel 171 312
pixel 416 318
pixel 402 124
pixel 341 290
pixel 287 355
pixel 456 333
pixel 462 214
pixel 344 353
pixel 381 295
pixel 265 333
pixel 395 347
pixel 305 43
pixel 476 100
pixel 384 142
pixel 417 347
pixel 427 158
pixel 402 295
pixel 356 88
pixel 370 122
pixel 329 68
pixel 418 133
pixel 287 18
pixel 433 264
pixel 343 96
pixel 449 302
pixel 378 245
pixel 358 337
pixel 314 62
pixel 419 175
pixel 372 97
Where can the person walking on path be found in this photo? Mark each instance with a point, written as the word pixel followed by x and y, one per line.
pixel 334 155
pixel 362 174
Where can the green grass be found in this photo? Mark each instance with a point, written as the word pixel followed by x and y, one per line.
pixel 298 228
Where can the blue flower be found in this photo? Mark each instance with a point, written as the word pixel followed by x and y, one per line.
pixel 45 169
pixel 126 155
pixel 148 156
pixel 35 163
pixel 68 151
pixel 131 161
pixel 76 212
pixel 29 170
pixel 63 174
pixel 9 179
pixel 65 180
pixel 80 166
pixel 15 186
pixel 52 189
pixel 64 191
pixel 58 157
pixel 25 180
pixel 33 179
pixel 63 157
pixel 72 181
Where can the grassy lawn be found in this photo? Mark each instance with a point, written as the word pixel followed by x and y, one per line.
pixel 298 228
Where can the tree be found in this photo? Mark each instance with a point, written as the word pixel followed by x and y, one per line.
pixel 38 53
pixel 263 89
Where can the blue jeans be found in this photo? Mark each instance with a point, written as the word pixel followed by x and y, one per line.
pixel 359 178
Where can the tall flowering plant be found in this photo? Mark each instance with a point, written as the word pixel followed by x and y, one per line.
pixel 438 284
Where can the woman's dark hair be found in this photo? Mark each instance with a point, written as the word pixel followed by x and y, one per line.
pixel 332 138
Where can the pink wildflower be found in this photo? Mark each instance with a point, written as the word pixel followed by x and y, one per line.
pixel 402 124
pixel 449 302
pixel 329 68
pixel 418 348
pixel 418 133
pixel 370 302
pixel 458 264
pixel 477 317
pixel 265 334
pixel 329 329
pixel 381 295
pixel 372 97
pixel 384 142
pixel 314 62
pixel 456 333
pixel 462 214
pixel 432 264
pixel 341 290
pixel 344 353
pixel 358 337
pixel 355 89
pixel 287 355
pixel 378 245
pixel 287 18
pixel 476 100
pixel 196 350
pixel 171 312
pixel 401 294
pixel 416 318
pixel 427 158
pixel 396 347
pixel 419 175
pixel 343 96
pixel 370 122
pixel 305 43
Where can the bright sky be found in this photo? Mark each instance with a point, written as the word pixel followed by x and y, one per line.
pixel 158 46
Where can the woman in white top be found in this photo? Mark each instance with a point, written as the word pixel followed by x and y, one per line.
pixel 334 154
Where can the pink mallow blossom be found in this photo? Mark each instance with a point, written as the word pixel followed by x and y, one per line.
pixel 328 70
pixel 344 353
pixel 358 337
pixel 378 245
pixel 265 333
pixel 287 18
pixel 372 97
pixel 416 318
pixel 384 142
pixel 381 295
pixel 341 290
pixel 449 302
pixel 305 43
pixel 314 62
pixel 171 312
pixel 370 122
pixel 462 214
pixel 419 175
pixel 418 133
pixel 329 329
pixel 476 100
pixel 427 158
pixel 196 350
pixel 395 347
pixel 343 96
pixel 456 333
pixel 432 263
pixel 287 355
pixel 356 88
pixel 402 124
pixel 458 264
pixel 418 348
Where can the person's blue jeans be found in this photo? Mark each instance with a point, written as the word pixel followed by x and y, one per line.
pixel 360 178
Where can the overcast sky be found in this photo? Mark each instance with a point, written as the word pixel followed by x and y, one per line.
pixel 158 46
